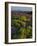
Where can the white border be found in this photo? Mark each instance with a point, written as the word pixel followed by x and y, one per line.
pixel 33 23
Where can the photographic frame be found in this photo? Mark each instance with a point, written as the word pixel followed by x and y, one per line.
pixel 8 14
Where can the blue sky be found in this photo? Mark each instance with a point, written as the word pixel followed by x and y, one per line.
pixel 14 8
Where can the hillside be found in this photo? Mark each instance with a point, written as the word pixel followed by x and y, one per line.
pixel 21 24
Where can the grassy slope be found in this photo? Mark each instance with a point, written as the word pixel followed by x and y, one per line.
pixel 23 24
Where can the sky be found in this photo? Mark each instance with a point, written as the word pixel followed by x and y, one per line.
pixel 15 8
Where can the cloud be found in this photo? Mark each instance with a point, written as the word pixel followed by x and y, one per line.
pixel 14 8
